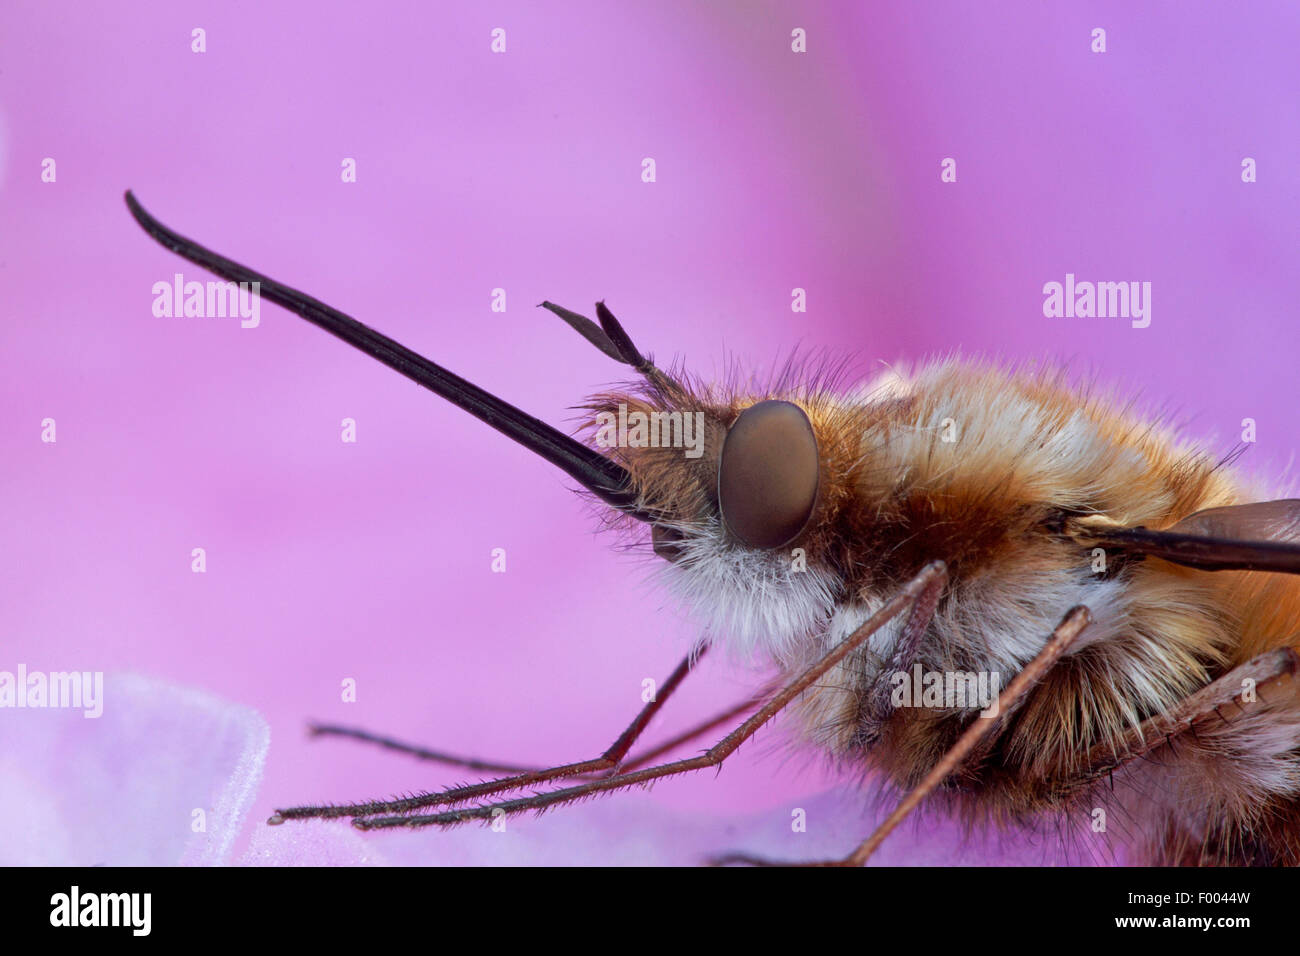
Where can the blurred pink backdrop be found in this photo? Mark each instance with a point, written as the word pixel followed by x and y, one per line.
pixel 521 170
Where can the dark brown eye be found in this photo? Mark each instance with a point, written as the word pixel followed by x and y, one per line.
pixel 768 475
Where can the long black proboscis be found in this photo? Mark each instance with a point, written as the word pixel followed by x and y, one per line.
pixel 606 479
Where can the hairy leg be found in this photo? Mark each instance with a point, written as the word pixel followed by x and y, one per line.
pixel 1020 687
pixel 1210 777
pixel 875 707
pixel 415 750
pixel 1219 700
pixel 905 598
pixel 474 763
pixel 607 761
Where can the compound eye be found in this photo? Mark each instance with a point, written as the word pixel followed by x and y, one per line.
pixel 768 474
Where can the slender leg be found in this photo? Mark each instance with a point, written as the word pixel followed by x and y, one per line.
pixel 711 758
pixel 473 763
pixel 686 736
pixel 1021 685
pixel 877 706
pixel 607 761
pixel 1211 700
pixel 414 750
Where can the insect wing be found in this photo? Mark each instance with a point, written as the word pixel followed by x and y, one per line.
pixel 1262 536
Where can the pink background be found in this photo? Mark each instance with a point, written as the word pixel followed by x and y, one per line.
pixel 775 170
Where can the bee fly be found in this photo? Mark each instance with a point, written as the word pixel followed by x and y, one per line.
pixel 960 519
